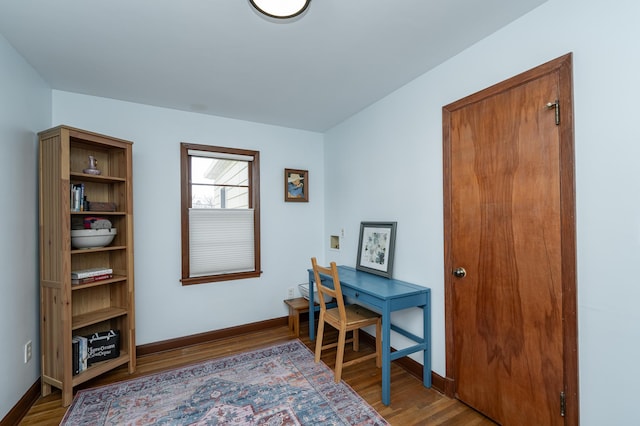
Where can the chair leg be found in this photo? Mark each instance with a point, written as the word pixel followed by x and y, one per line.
pixel 319 336
pixel 379 343
pixel 342 337
pixel 356 340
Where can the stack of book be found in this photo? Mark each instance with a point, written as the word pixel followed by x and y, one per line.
pixel 77 197
pixel 90 275
pixel 80 350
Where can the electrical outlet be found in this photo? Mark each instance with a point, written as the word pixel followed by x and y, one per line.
pixel 27 351
pixel 290 292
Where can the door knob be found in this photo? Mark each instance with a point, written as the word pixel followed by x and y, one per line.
pixel 459 272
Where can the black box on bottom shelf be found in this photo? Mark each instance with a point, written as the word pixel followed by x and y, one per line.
pixel 103 346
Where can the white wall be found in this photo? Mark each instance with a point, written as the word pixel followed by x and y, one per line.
pixel 386 164
pixel 290 232
pixel 383 164
pixel 25 108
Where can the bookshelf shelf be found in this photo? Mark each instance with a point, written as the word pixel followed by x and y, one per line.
pixel 108 281
pixel 93 178
pixel 94 317
pixel 98 249
pixel 100 368
pixel 67 309
pixel 98 213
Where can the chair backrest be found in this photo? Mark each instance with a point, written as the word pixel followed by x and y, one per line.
pixel 335 292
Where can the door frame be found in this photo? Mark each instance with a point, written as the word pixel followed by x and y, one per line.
pixel 564 67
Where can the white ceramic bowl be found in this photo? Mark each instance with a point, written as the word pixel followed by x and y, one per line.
pixel 92 238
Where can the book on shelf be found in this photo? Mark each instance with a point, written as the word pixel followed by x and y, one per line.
pixel 80 354
pixel 91 279
pixel 75 355
pixel 77 197
pixel 90 272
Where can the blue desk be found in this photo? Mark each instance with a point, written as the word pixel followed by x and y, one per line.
pixel 384 296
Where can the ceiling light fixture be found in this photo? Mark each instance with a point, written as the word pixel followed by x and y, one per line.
pixel 281 9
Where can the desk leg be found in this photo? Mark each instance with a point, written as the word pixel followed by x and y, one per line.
pixel 312 311
pixel 386 356
pixel 426 327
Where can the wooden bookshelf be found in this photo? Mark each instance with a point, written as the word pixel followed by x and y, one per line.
pixel 67 310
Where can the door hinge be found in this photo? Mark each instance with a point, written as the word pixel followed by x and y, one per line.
pixel 555 105
pixel 563 404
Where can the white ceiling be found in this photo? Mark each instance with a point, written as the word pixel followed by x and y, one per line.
pixel 220 57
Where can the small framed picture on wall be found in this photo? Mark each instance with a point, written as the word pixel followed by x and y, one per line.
pixel 296 185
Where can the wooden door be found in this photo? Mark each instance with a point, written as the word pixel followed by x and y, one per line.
pixel 510 249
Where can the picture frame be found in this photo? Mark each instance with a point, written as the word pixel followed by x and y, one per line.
pixel 296 185
pixel 376 248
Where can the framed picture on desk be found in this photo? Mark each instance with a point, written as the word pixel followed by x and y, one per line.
pixel 376 247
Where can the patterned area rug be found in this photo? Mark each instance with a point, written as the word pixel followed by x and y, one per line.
pixel 278 385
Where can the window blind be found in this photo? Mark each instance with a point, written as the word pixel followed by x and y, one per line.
pixel 220 155
pixel 220 241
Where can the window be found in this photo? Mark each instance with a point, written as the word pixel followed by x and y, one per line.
pixel 220 213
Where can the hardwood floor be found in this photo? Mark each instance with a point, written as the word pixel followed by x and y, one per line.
pixel 411 403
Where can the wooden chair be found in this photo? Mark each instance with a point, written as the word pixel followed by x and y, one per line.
pixel 344 319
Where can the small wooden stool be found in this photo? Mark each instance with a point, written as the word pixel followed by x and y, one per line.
pixel 296 307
